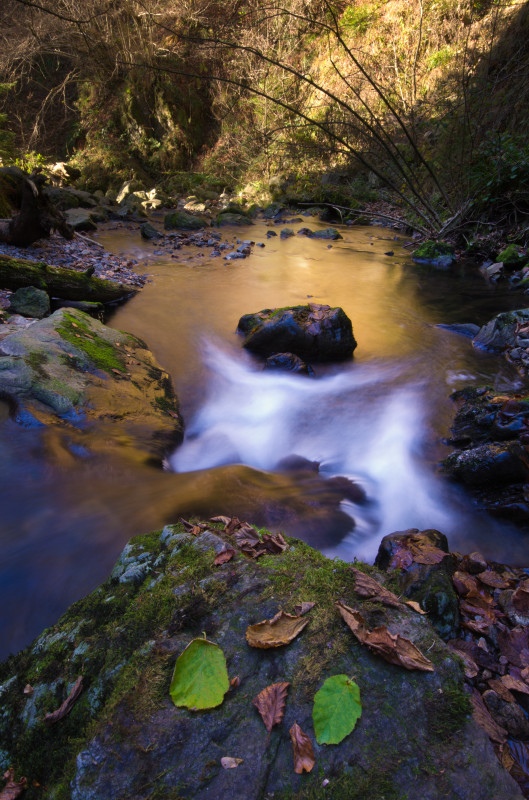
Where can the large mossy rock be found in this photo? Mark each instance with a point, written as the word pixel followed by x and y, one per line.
pixel 125 740
pixel 30 302
pixel 313 332
pixel 103 385
pixel 180 219
pixel 434 254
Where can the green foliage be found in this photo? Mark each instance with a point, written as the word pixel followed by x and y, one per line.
pixel 500 172
pixel 30 161
pixel 440 58
pixel 358 17
pixel 336 710
pixel 200 677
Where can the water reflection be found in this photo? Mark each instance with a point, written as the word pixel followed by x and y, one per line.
pixel 378 420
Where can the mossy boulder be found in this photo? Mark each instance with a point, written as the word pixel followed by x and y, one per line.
pixel 512 257
pixel 313 332
pixel 81 219
pixel 30 302
pixel 435 254
pixel 327 233
pixel 233 218
pixel 125 739
pixel 99 388
pixel 501 331
pixel 183 220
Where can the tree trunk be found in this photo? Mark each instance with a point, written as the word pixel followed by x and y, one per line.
pixel 60 282
pixel 37 216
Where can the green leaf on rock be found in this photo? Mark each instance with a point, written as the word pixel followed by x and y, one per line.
pixel 337 708
pixel 200 677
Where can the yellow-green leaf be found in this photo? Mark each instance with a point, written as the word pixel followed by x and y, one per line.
pixel 336 710
pixel 200 677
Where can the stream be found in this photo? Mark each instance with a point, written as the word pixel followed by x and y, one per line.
pixel 378 420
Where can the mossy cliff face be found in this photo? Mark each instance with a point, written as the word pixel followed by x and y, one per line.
pixel 125 739
pixel 90 385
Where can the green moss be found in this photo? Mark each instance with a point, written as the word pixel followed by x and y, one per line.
pixel 448 710
pixel 431 250
pixel 101 353
pixel 511 256
pixel 355 784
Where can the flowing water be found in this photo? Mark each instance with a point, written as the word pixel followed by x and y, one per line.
pixel 378 420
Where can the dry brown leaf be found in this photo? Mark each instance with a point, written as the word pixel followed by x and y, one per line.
pixel 393 648
pixel 302 608
pixel 303 751
pixel 225 520
pixel 506 758
pixel 494 731
pixel 492 579
pixel 469 665
pixel 13 788
pixel 230 763
pixel 247 539
pixel 514 645
pixel 279 630
pixel 415 548
pixel 520 597
pixel 194 530
pixel 514 684
pixel 366 586
pixel 500 688
pixel 235 682
pixel 28 689
pixel 68 704
pixel 464 582
pixel 225 555
pixel 479 626
pixel 274 542
pixel 270 703
pixel 416 607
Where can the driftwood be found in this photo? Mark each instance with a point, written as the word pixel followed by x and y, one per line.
pixel 67 284
pixel 36 218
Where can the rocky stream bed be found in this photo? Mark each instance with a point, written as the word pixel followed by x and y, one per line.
pixel 85 710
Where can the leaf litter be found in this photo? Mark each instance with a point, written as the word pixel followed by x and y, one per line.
pixel 66 707
pixel 303 751
pixel 13 788
pixel 393 648
pixel 270 703
pixel 280 630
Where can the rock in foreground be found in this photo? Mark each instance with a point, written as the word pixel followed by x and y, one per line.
pixel 124 739
pixel 313 332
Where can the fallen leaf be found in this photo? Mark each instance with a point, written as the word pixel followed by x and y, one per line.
pixel 28 689
pixel 235 682
pixel 514 684
pixel 473 651
pixel 302 608
pixel 68 704
pixel 514 645
pixel 393 648
pixel 225 555
pixel 247 539
pixel 225 520
pixel 303 751
pixel 337 708
pixel 416 607
pixel 366 586
pixel 492 579
pixel 506 758
pixel 520 597
pixel 479 626
pixel 12 789
pixel 230 763
pixel 479 711
pixel 469 665
pixel 501 689
pixel 414 548
pixel 464 582
pixel 194 530
pixel 279 630
pixel 200 678
pixel 270 703
pixel 274 542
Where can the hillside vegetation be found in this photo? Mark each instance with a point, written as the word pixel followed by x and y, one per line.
pixel 420 105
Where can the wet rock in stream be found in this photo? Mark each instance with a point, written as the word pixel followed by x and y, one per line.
pixel 124 738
